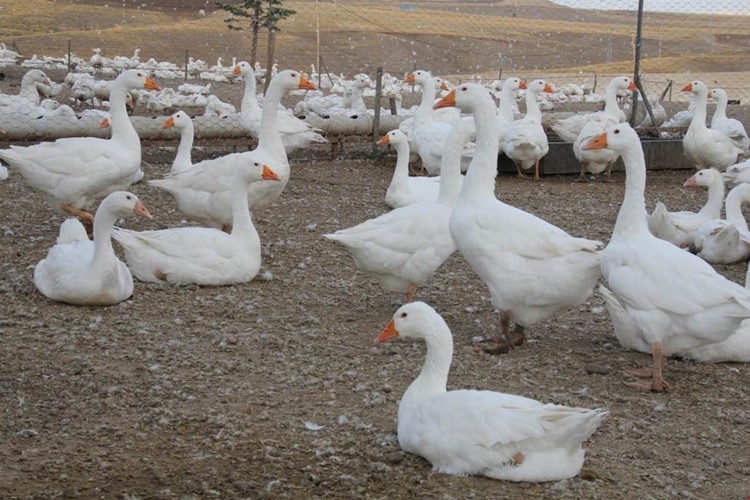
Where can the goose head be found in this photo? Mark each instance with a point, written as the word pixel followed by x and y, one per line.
pixel 697 87
pixel 718 94
pixel 420 76
pixel 467 97
pixel 537 86
pixel 393 137
pixel 35 76
pixel 122 204
pixel 514 83
pixel 243 69
pixel 136 79
pixel 255 171
pixel 618 138
pixel 623 83
pixel 290 79
pixel 412 320
pixel 440 84
pixel 705 178
pixel 178 120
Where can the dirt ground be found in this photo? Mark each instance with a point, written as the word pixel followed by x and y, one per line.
pixel 274 389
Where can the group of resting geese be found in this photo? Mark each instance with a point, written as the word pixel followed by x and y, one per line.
pixel 663 300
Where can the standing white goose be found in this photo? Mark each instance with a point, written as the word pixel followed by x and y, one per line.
pixel 402 248
pixel 201 255
pixel 505 108
pixel 498 435
pixel 727 241
pixel 403 189
pixel 295 133
pixel 526 142
pixel 203 191
pixel 705 147
pixel 671 295
pixel 182 122
pixel 600 160
pixel 732 127
pixel 678 227
pixel 88 273
pixel 70 173
pixel 533 269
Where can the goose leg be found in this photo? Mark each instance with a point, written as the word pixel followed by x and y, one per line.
pixel 499 344
pixel 518 336
pixel 657 383
pixel 536 170
pixel 410 292
pixel 608 177
pixel 87 219
pixel 582 176
pixel 518 169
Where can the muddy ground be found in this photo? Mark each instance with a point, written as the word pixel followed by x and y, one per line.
pixel 274 389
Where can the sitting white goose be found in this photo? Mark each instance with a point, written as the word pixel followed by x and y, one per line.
pixel 203 191
pixel 526 142
pixel 671 295
pixel 201 255
pixel 295 133
pixel 88 273
pixel 678 227
pixel 705 147
pixel 182 122
pixel 70 173
pixel 498 435
pixel 28 94
pixel 727 241
pixel 600 160
pixel 737 173
pixel 733 128
pixel 403 189
pixel 402 248
pixel 534 270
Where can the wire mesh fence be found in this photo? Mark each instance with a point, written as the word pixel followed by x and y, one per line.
pixel 572 43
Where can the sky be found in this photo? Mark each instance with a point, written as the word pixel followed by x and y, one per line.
pixel 686 6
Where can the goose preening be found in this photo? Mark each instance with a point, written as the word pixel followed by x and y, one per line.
pixel 534 270
pixel 703 146
pixel 402 248
pixel 88 273
pixel 470 432
pixel 404 189
pixel 204 191
pixel 673 297
pixel 678 227
pixel 726 241
pixel 182 122
pixel 731 127
pixel 526 141
pixel 201 255
pixel 72 172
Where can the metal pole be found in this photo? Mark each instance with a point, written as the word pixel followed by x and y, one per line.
pixel 637 67
pixel 69 55
pixel 376 118
pixel 186 65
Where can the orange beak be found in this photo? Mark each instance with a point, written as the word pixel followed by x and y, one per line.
pixel 305 84
pixel 688 87
pixel 444 86
pixel 632 86
pixel 104 123
pixel 447 101
pixel 236 70
pixel 150 84
pixel 522 85
pixel 269 174
pixel 598 142
pixel 691 182
pixel 141 211
pixel 548 89
pixel 388 333
pixel 169 123
pixel 384 140
pixel 409 79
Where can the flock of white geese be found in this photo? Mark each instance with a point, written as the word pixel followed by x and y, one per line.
pixel 663 299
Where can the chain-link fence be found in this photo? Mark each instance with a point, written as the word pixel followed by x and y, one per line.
pixel 569 42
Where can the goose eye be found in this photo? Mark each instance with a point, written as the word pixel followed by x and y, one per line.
pixel 617 131
pixel 128 197
pixel 403 314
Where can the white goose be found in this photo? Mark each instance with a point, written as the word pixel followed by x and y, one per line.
pixel 402 248
pixel 526 142
pixel 70 173
pixel 737 173
pixel 498 435
pixel 727 241
pixel 295 133
pixel 678 227
pixel 600 160
pixel 88 273
pixel 506 107
pixel 703 146
pixel 403 189
pixel 731 127
pixel 201 255
pixel 203 191
pixel 673 297
pixel 28 94
pixel 533 269
pixel 182 122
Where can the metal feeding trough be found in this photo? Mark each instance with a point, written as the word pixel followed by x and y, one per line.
pixel 661 154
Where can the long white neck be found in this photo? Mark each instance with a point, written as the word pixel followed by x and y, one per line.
pixel 29 91
pixel 505 107
pixel 712 208
pixel 610 100
pixel 242 223
pixel 532 107
pixel 358 101
pixel 733 206
pixel 699 117
pixel 122 128
pixel 433 378
pixel 480 179
pixel 185 148
pixel 249 98
pixel 424 111
pixel 632 216
pixel 450 164
pixel 269 136
pixel 721 109
pixel 401 172
pixel 104 255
